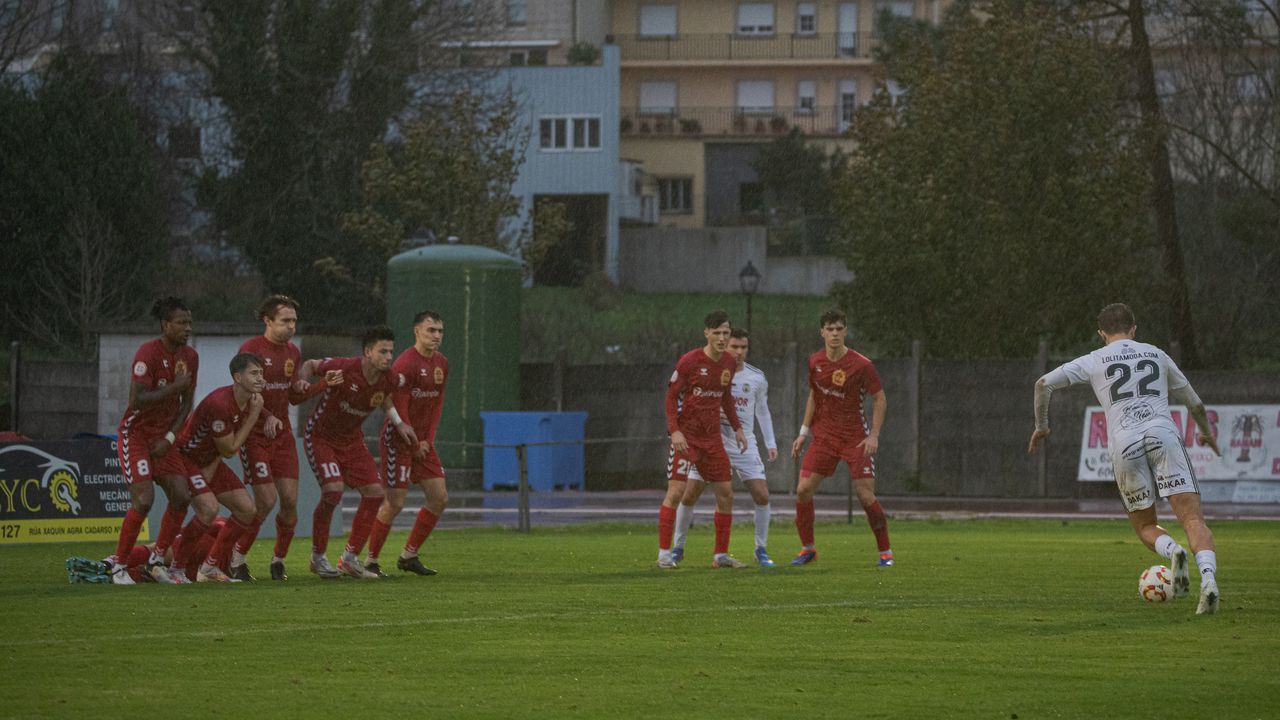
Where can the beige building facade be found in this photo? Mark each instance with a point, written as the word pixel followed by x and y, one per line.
pixel 706 82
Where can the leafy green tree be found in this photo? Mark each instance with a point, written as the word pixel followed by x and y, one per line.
pixel 448 171
pixel 84 222
pixel 1003 202
pixel 308 88
pixel 798 179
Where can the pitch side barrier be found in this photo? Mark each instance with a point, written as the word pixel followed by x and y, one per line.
pixel 523 511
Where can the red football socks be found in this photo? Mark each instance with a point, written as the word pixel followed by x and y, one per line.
pixel 422 527
pixel 170 526
pixel 128 534
pixel 804 522
pixel 879 524
pixel 363 523
pixel 320 521
pixel 185 547
pixel 723 522
pixel 284 536
pixel 249 536
pixel 666 526
pixel 227 537
pixel 378 537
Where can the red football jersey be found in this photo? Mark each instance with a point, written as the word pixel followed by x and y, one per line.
pixel 216 416
pixel 280 363
pixel 343 408
pixel 699 390
pixel 420 399
pixel 154 366
pixel 839 389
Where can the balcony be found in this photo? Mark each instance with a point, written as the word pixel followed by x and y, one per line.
pixel 734 122
pixel 730 46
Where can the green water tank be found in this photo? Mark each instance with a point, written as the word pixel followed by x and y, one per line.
pixel 476 290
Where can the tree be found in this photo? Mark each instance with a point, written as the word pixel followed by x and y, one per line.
pixel 308 88
pixel 85 222
pixel 449 171
pixel 999 205
pixel 798 178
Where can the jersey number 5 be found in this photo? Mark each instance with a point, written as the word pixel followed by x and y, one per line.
pixel 1152 373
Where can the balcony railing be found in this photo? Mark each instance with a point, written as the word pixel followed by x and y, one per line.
pixel 730 46
pixel 733 121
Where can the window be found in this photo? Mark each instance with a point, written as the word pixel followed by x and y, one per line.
pixel 517 12
pixel 675 196
pixel 657 20
pixel 569 133
pixel 184 142
pixel 755 19
pixel 806 19
pixel 755 96
pixel 658 97
pixel 806 97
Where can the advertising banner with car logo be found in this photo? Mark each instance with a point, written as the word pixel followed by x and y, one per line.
pixel 1248 435
pixel 62 491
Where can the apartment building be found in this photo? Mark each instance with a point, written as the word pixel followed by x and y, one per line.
pixel 705 82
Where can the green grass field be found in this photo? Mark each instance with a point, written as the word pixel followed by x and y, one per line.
pixel 989 619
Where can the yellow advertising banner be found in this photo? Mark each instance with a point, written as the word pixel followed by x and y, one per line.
pixel 64 530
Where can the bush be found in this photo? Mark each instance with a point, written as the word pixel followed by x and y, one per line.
pixel 600 291
pixel 583 53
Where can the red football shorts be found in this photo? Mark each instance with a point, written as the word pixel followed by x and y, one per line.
pixel 709 458
pixel 400 468
pixel 346 462
pixel 265 460
pixel 133 447
pixel 823 456
pixel 224 479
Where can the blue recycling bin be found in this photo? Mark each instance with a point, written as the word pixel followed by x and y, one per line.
pixel 549 466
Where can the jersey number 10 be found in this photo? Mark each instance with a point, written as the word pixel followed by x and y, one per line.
pixel 1151 369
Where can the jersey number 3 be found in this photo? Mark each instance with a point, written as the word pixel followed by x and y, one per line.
pixel 1152 373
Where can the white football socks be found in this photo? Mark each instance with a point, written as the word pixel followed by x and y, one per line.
pixel 1166 547
pixel 684 518
pixel 1207 561
pixel 237 558
pixel 762 525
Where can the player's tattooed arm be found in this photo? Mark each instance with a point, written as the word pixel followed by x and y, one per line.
pixel 1186 395
pixel 1055 380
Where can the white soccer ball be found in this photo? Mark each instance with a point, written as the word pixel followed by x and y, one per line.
pixel 1156 584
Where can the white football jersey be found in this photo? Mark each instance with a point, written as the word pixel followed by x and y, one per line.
pixel 1132 381
pixel 751 398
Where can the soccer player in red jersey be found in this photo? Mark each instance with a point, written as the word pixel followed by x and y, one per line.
pixel 334 443
pixel 839 381
pixel 270 457
pixel 160 398
pixel 699 391
pixel 217 429
pixel 419 400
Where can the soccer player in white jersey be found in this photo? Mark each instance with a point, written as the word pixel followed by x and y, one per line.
pixel 1134 381
pixel 751 399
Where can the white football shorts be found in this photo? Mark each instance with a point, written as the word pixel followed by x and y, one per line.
pixel 746 465
pixel 1149 465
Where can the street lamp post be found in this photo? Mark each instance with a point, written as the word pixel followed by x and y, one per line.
pixel 749 279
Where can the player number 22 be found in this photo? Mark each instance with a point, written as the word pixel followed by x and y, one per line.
pixel 1152 373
